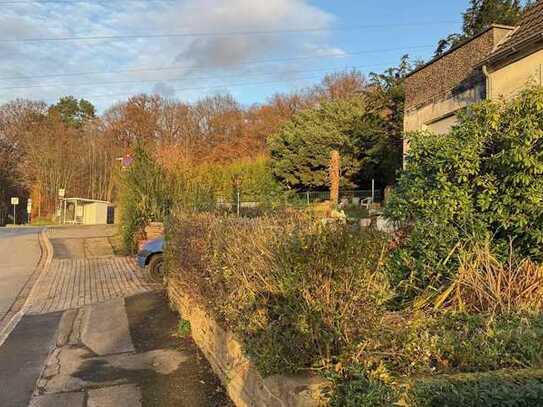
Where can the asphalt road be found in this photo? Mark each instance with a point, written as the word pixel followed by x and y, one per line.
pixel 19 255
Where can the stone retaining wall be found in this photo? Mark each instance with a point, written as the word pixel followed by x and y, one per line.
pixel 244 384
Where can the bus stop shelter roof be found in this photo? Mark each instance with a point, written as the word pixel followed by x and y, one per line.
pixel 87 200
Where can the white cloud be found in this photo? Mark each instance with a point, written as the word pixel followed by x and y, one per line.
pixel 247 15
pixel 199 56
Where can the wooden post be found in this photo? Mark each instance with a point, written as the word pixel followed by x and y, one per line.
pixel 335 163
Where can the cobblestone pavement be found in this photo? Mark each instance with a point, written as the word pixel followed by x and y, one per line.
pixel 84 271
pixel 73 283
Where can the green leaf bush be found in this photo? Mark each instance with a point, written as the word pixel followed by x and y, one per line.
pixel 451 359
pixel 257 183
pixel 145 196
pixel 520 388
pixel 482 180
pixel 300 149
pixel 303 296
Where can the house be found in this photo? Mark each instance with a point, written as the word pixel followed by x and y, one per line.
pixel 496 63
pixel 81 211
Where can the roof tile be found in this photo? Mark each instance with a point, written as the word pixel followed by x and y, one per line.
pixel 530 26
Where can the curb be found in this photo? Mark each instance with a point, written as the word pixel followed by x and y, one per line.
pixel 18 310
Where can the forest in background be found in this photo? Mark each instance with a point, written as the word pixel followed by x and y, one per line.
pixel 44 148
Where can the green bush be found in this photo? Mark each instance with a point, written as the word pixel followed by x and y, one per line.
pixel 384 366
pixel 300 150
pixel 459 342
pixel 482 179
pixel 149 193
pixel 300 295
pixel 146 196
pixel 257 183
pixel 356 389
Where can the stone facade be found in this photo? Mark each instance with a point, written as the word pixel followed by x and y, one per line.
pixel 437 90
pixel 244 384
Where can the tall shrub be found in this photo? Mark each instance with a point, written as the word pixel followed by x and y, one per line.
pixel 146 195
pixel 482 179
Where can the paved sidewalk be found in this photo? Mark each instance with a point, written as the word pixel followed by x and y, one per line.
pixel 97 334
pixel 84 271
pixel 81 242
pixel 73 283
pixel 112 354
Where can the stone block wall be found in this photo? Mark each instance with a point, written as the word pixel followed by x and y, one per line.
pixel 244 384
pixel 453 72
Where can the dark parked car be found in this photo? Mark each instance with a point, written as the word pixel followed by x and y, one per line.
pixel 151 256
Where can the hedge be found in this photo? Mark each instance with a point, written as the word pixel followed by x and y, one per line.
pixel 520 388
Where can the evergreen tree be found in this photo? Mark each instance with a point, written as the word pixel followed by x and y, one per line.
pixel 480 15
pixel 73 112
pixel 483 13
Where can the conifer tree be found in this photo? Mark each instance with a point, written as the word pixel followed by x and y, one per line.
pixel 480 15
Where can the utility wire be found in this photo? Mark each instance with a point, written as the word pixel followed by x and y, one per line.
pixel 231 85
pixel 255 62
pixel 221 34
pixel 255 74
pixel 21 2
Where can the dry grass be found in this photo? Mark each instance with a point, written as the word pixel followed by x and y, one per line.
pixel 297 292
pixel 483 283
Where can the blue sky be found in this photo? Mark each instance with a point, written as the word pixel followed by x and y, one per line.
pixel 251 67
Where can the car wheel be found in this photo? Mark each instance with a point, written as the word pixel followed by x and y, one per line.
pixel 156 268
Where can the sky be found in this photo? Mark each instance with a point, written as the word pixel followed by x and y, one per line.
pixel 108 50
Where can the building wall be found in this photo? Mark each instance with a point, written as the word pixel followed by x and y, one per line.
pixel 95 213
pixel 101 213
pixel 509 80
pixel 437 91
pixel 90 214
pixel 443 126
pixel 429 116
pixel 451 73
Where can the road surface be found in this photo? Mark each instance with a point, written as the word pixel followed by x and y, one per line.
pixel 19 254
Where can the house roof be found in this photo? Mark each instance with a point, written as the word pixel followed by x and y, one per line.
pixel 460 45
pixel 529 31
